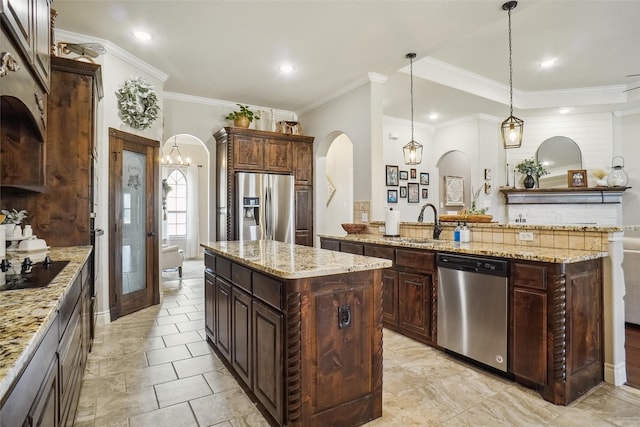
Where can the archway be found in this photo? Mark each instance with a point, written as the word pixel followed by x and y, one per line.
pixel 196 215
pixel 334 183
pixel 454 168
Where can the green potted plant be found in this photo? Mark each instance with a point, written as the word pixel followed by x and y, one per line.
pixel 533 171
pixel 242 118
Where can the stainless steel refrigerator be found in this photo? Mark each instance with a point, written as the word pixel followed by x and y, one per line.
pixel 265 207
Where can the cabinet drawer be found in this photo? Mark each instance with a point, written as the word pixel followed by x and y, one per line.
pixel 223 268
pixel 268 290
pixel 210 261
pixel 332 245
pixel 380 252
pixel 416 259
pixel 241 276
pixel 352 248
pixel 69 354
pixel 69 304
pixel 529 275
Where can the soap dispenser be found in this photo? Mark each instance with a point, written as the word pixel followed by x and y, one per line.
pixel 465 233
pixel 456 233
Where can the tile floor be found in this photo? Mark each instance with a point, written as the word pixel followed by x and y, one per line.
pixel 154 368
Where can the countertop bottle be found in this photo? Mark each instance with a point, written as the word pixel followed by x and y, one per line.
pixel 456 233
pixel 465 234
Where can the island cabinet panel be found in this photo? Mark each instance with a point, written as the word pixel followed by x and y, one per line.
pixel 309 350
pixel 556 327
pixel 223 318
pixel 268 366
pixel 210 305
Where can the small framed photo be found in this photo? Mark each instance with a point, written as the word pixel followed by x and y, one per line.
pixel 424 178
pixel 487 188
pixel 403 191
pixel 425 193
pixel 413 173
pixel 577 178
pixel 392 175
pixel 392 196
pixel 404 175
pixel 413 192
pixel 488 175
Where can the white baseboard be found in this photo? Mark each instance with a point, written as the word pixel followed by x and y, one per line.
pixel 615 374
pixel 104 318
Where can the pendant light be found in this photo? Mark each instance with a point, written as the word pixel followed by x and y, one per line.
pixel 174 158
pixel 512 127
pixel 413 150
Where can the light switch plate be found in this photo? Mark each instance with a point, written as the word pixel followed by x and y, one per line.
pixel 526 235
pixel 364 217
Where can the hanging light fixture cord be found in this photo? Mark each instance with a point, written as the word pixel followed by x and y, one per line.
pixel 411 56
pixel 510 63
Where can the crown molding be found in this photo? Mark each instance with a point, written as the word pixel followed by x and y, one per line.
pixel 115 50
pixel 370 77
pixel 174 96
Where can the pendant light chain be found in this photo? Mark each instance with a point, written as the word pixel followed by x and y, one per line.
pixel 411 73
pixel 510 69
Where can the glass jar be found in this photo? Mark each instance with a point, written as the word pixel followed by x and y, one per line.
pixel 618 177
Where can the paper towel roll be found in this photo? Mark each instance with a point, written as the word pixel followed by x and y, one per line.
pixel 3 242
pixel 392 223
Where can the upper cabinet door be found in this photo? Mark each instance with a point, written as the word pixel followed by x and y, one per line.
pixel 42 42
pixel 278 156
pixel 303 163
pixel 18 14
pixel 248 153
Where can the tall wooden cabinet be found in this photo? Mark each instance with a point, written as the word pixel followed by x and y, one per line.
pixel 248 150
pixel 62 213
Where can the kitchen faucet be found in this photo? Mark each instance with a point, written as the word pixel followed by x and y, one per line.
pixel 437 228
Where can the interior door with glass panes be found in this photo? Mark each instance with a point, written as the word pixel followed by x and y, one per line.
pixel 133 237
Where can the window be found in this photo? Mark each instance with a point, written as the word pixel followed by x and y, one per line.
pixel 177 204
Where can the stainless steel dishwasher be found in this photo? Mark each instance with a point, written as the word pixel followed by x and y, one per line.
pixel 472 307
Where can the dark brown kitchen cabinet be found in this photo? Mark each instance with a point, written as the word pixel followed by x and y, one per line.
pixel 75 90
pixel 414 291
pixel 352 248
pixel 241 336
pixel 330 244
pixel 267 348
pixel 556 327
pixel 389 283
pixel 223 318
pixel 44 412
pixel 286 356
pixel 249 150
pixel 210 302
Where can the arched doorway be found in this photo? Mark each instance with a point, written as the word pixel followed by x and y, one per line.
pixel 334 178
pixel 452 166
pixel 187 209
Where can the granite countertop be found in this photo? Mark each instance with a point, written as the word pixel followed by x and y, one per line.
pixel 478 248
pixel 28 313
pixel 515 226
pixel 289 261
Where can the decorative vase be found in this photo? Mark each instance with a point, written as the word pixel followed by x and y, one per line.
pixel 529 181
pixel 241 122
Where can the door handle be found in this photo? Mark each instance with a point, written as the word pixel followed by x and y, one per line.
pixel 151 234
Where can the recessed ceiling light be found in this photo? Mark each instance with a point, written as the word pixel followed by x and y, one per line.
pixel 434 116
pixel 142 35
pixel 564 110
pixel 548 63
pixel 286 68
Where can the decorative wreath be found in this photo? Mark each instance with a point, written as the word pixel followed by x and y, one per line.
pixel 137 103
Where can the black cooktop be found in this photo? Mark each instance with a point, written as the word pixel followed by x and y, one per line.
pixel 38 276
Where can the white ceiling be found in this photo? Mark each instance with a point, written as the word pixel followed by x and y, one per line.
pixel 232 50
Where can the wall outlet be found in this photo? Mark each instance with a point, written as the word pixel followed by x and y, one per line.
pixel 526 235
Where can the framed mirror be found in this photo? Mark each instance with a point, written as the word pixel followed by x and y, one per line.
pixel 558 154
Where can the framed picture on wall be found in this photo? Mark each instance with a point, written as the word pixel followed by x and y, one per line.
pixel 392 196
pixel 424 178
pixel 392 175
pixel 413 190
pixel 454 190
pixel 404 175
pixel 425 193
pixel 413 174
pixel 403 191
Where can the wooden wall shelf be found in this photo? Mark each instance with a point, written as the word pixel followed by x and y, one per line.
pixel 591 195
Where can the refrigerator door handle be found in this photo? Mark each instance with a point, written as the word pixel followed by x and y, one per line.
pixel 267 219
pixel 270 223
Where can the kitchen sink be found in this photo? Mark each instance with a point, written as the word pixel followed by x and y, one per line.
pixel 417 240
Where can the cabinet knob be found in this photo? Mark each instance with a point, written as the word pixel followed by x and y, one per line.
pixel 8 63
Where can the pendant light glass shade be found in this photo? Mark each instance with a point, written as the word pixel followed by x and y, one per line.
pixel 512 127
pixel 413 150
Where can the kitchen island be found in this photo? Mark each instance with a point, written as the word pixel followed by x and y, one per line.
pixel 300 328
pixel 554 301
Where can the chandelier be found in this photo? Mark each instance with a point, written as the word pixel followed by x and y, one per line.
pixel 174 158
pixel 512 127
pixel 412 150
